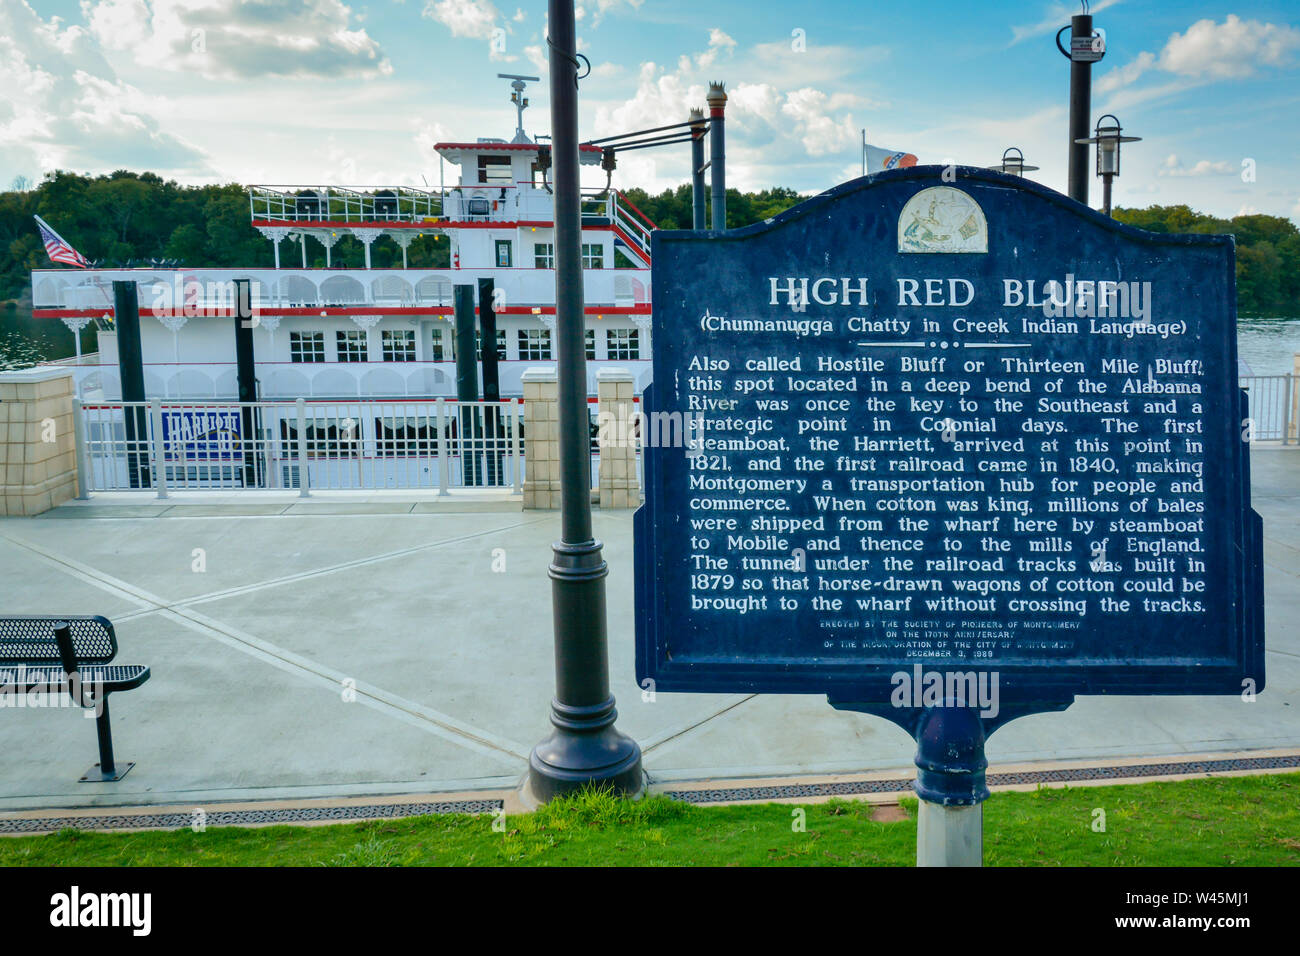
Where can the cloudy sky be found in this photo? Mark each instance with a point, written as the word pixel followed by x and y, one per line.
pixel 327 91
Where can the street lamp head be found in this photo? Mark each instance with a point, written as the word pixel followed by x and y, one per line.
pixel 1013 162
pixel 1108 135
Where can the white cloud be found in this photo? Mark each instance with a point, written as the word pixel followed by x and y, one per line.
pixel 118 24
pixel 464 18
pixel 1173 166
pixel 63 106
pixel 238 38
pixel 820 123
pixel 597 9
pixel 720 44
pixel 1057 16
pixel 775 128
pixel 1233 49
pixel 1123 76
pixel 481 20
pixel 537 57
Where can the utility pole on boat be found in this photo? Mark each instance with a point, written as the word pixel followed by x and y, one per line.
pixel 585 748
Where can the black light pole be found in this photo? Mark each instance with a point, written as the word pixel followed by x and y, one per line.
pixel 1080 104
pixel 585 748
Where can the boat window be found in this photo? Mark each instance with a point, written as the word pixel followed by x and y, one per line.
pixel 494 170
pixel 307 347
pixel 535 344
pixel 352 345
pixel 623 344
pixel 399 345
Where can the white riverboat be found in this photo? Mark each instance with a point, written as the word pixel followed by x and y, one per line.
pixel 370 350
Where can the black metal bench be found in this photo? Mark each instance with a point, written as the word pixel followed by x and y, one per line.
pixel 70 655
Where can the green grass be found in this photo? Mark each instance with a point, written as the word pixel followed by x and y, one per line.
pixel 1231 821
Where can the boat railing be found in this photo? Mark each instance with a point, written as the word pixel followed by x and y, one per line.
pixel 335 204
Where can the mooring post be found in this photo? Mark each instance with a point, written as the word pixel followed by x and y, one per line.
pixel 717 100
pixel 126 322
pixel 467 412
pixel 698 129
pixel 246 380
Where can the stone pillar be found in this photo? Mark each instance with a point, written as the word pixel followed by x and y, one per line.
pixel 618 482
pixel 541 439
pixel 38 454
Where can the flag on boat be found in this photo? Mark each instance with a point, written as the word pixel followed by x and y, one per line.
pixel 879 159
pixel 57 249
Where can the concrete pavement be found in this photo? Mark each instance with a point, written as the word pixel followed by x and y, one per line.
pixel 339 646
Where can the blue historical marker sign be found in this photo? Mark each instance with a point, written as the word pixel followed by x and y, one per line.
pixel 947 422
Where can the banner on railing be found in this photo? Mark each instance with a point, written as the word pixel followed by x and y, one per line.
pixel 201 434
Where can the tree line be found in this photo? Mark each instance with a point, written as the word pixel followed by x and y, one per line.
pixel 125 217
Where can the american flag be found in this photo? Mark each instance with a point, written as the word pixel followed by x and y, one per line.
pixel 57 249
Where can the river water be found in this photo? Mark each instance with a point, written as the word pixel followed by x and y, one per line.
pixel 1267 346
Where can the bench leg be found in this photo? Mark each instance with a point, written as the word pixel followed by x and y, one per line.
pixel 106 770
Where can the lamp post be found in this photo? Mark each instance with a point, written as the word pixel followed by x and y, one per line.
pixel 1087 46
pixel 1013 162
pixel 1108 136
pixel 585 748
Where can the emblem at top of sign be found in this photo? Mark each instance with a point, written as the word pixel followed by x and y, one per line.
pixel 942 219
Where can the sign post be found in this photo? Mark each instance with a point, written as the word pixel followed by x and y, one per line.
pixel 951 453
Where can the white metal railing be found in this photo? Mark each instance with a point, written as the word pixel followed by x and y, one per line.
pixel 632 224
pixel 203 291
pixel 1273 406
pixel 436 445
pixel 405 204
pixel 285 381
pixel 340 204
